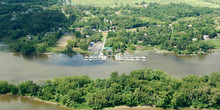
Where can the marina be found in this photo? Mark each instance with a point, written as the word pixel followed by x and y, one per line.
pixel 117 58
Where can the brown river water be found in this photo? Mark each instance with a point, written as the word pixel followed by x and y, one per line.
pixel 16 68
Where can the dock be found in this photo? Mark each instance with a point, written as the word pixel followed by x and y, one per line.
pixel 130 58
pixel 96 58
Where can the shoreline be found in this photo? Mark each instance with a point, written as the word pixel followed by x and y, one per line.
pixel 160 51
pixel 48 102
pixel 120 107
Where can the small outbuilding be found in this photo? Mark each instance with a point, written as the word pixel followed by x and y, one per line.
pixel 206 37
pixel 87 36
pixel 194 39
pixel 29 37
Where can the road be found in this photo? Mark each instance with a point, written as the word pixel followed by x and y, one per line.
pixel 105 36
pixel 99 46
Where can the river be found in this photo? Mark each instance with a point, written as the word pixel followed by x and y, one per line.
pixel 16 68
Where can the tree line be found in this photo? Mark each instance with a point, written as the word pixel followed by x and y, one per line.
pixel 140 87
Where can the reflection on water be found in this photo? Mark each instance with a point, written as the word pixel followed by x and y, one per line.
pixel 13 102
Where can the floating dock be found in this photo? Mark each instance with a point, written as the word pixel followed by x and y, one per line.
pixel 96 58
pixel 130 58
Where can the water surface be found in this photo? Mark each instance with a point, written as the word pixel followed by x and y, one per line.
pixel 16 67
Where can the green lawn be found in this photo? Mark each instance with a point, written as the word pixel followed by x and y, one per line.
pixel 216 42
pixel 112 3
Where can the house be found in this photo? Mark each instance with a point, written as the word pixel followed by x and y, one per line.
pixel 194 39
pixel 29 37
pixel 3 3
pixel 87 36
pixel 206 37
pixel 108 49
pixel 78 29
pixel 45 35
pixel 60 28
pixel 145 5
pixel 190 25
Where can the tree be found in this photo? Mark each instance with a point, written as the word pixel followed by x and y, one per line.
pixel 28 87
pixel 41 48
pixel 4 87
pixel 114 74
pixel 69 48
pixel 83 44
pixel 77 34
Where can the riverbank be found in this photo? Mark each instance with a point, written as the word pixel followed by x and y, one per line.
pixel 114 108
pixel 122 107
pixel 48 102
pixel 156 49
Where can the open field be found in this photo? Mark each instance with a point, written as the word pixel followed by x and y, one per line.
pixel 61 45
pixel 216 42
pixel 113 3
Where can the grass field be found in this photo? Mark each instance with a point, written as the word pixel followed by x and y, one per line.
pixel 113 3
pixel 216 42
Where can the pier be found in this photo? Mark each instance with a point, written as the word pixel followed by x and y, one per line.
pixel 130 58
pixel 96 58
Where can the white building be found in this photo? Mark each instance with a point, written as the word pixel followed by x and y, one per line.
pixel 145 5
pixel 3 3
pixel 87 36
pixel 206 37
pixel 190 25
pixel 29 37
pixel 194 39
